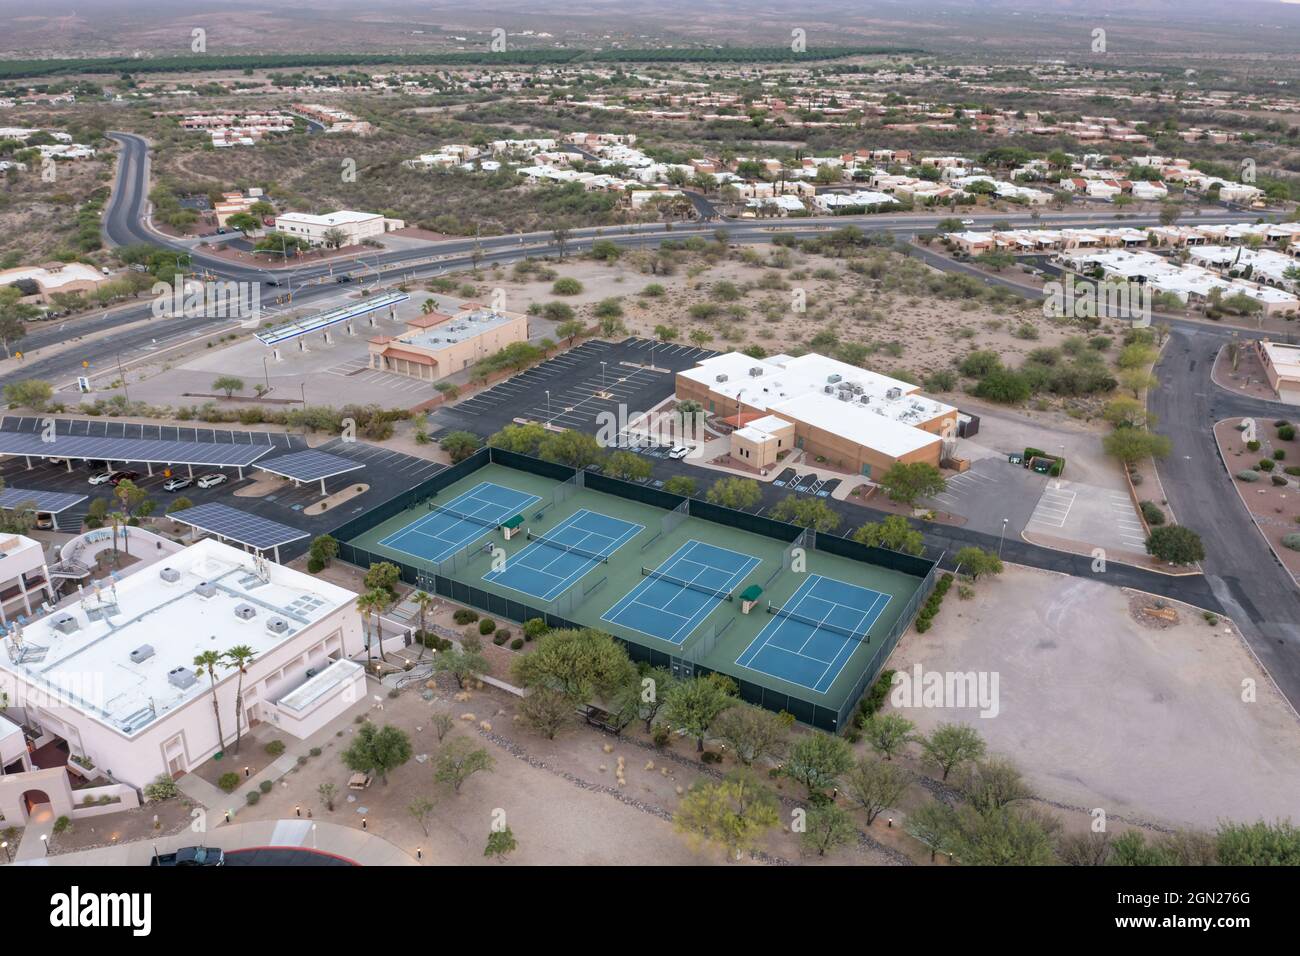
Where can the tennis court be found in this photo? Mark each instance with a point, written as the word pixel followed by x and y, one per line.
pixel 675 598
pixel 449 526
pixel 810 639
pixel 554 561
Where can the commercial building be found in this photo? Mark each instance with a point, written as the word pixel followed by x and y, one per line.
pixel 24 577
pixel 843 416
pixel 105 686
pixel 437 345
pixel 38 283
pixel 1282 366
pixel 355 226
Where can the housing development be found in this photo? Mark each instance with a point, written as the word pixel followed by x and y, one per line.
pixel 842 436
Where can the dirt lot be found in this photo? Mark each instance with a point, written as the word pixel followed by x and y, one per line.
pixel 1272 506
pixel 1100 710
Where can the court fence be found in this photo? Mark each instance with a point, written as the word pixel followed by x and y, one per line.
pixel 558 616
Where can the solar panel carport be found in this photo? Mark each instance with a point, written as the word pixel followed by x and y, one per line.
pixel 45 502
pixel 144 451
pixel 309 465
pixel 231 524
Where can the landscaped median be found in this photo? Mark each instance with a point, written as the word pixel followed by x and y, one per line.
pixel 1256 454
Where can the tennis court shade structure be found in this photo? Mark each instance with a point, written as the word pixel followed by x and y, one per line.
pixel 145 451
pixel 309 465
pixel 231 524
pixel 324 320
pixel 52 503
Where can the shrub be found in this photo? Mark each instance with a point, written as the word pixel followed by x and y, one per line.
pixel 315 565
pixel 499 638
pixel 1291 541
pixel 1266 464
pixel 1152 513
pixel 62 825
pixel 1292 470
pixel 661 735
pixel 275 748
pixel 487 626
pixel 1286 432
pixel 465 616
pixel 504 632
pixel 1253 444
pixel 252 797
pixel 1248 475
pixel 517 643
pixel 228 782
pixel 1279 454
pixel 566 286
pixel 264 786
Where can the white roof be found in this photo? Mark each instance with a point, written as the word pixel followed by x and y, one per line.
pixel 871 427
pixel 175 619
pixel 71 272
pixel 755 435
pixel 342 217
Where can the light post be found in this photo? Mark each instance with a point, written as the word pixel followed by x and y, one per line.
pixel 1001 536
pixel 45 843
pixel 548 404
pixel 4 845
pixel 266 375
pixel 602 376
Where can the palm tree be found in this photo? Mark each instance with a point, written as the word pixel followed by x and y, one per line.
pixel 118 519
pixel 428 306
pixel 208 661
pixel 423 601
pixel 381 599
pixel 239 657
pixel 367 605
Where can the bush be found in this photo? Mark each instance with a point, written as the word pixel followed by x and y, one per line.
pixel 275 748
pixel 1253 444
pixel 499 638
pixel 566 286
pixel 1248 475
pixel 315 565
pixel 1292 470
pixel 465 616
pixel 1152 513
pixel 504 632
pixel 265 786
pixel 1176 544
pixel 1279 454
pixel 1291 541
pixel 661 735
pixel 487 626
pixel 517 643
pixel 252 797
pixel 1266 464
pixel 228 782
pixel 1286 433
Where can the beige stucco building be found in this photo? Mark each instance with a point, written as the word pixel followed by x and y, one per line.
pixel 437 344
pixel 1282 367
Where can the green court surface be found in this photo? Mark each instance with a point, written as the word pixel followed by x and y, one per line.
pixel 715 634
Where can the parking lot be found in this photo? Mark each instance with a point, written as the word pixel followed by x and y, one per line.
pixel 991 490
pixel 388 472
pixel 1089 514
pixel 578 388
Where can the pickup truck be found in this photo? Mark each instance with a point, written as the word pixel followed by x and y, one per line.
pixel 191 856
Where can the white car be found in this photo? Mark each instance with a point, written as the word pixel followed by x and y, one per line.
pixel 101 478
pixel 679 451
pixel 212 480
pixel 176 484
pixel 968 222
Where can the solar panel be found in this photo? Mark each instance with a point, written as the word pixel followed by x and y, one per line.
pixel 227 522
pixel 49 501
pixel 309 465
pixel 151 450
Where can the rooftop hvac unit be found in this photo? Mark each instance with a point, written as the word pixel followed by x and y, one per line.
pixel 857 389
pixel 141 654
pixel 756 371
pixel 245 612
pixel 277 625
pixel 181 678
pixel 829 390
pixel 720 378
pixel 894 393
pixel 866 399
pixel 845 396
pixel 832 379
pixel 206 589
pixel 169 575
pixel 66 624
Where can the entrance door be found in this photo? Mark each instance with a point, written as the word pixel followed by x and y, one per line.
pixel 176 766
pixel 866 471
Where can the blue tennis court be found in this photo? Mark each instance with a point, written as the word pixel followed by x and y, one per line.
pixel 554 561
pixel 676 597
pixel 809 640
pixel 450 525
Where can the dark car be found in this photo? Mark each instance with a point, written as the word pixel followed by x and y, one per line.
pixel 272 282
pixel 120 476
pixel 343 278
pixel 191 856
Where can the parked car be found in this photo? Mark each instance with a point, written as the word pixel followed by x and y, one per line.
pixel 679 451
pixel 120 476
pixel 343 278
pixel 191 856
pixel 176 484
pixel 101 478
pixel 44 521
pixel 968 222
pixel 212 480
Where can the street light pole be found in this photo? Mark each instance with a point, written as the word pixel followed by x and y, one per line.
pixel 1001 536
pixel 548 404
pixel 122 375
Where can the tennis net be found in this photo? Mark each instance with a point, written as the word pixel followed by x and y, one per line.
pixel 580 552
pixel 718 593
pixel 822 625
pixel 486 522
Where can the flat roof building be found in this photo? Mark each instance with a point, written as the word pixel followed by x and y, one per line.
pixel 439 344
pixel 111 675
pixel 856 420
pixel 355 226
pixel 1282 366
